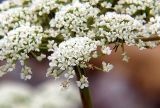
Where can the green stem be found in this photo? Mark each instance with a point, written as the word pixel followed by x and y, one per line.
pixel 85 93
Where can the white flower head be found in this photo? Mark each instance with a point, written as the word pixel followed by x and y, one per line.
pixel 72 52
pixel 115 26
pixel 7 4
pixel 42 7
pixel 18 43
pixel 130 7
pixel 75 19
pixel 16 17
pixel 152 27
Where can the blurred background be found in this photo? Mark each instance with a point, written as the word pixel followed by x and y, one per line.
pixel 129 85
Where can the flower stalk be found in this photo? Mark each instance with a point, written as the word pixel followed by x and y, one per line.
pixel 84 93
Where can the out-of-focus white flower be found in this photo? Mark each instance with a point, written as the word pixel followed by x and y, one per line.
pixel 107 67
pixel 95 55
pixel 70 73
pixel 15 95
pixel 26 73
pixel 41 57
pixel 125 57
pixel 106 50
pixel 83 82
pixel 56 98
pixel 18 95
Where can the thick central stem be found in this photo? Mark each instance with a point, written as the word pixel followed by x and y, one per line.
pixel 85 93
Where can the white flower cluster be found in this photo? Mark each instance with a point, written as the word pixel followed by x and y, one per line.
pixel 113 26
pixel 138 8
pixel 74 32
pixel 7 4
pixel 74 20
pixel 17 44
pixel 93 2
pixel 73 52
pixel 15 17
pixel 42 7
pixel 153 27
pixel 101 3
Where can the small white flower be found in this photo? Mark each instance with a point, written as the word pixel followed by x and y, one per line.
pixel 41 57
pixel 107 67
pixel 26 73
pixel 125 57
pixel 54 73
pixel 73 20
pixel 83 82
pixel 51 46
pixel 6 68
pixel 95 55
pixel 106 50
pixel 65 84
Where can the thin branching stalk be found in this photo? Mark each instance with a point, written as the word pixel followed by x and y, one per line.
pixel 152 38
